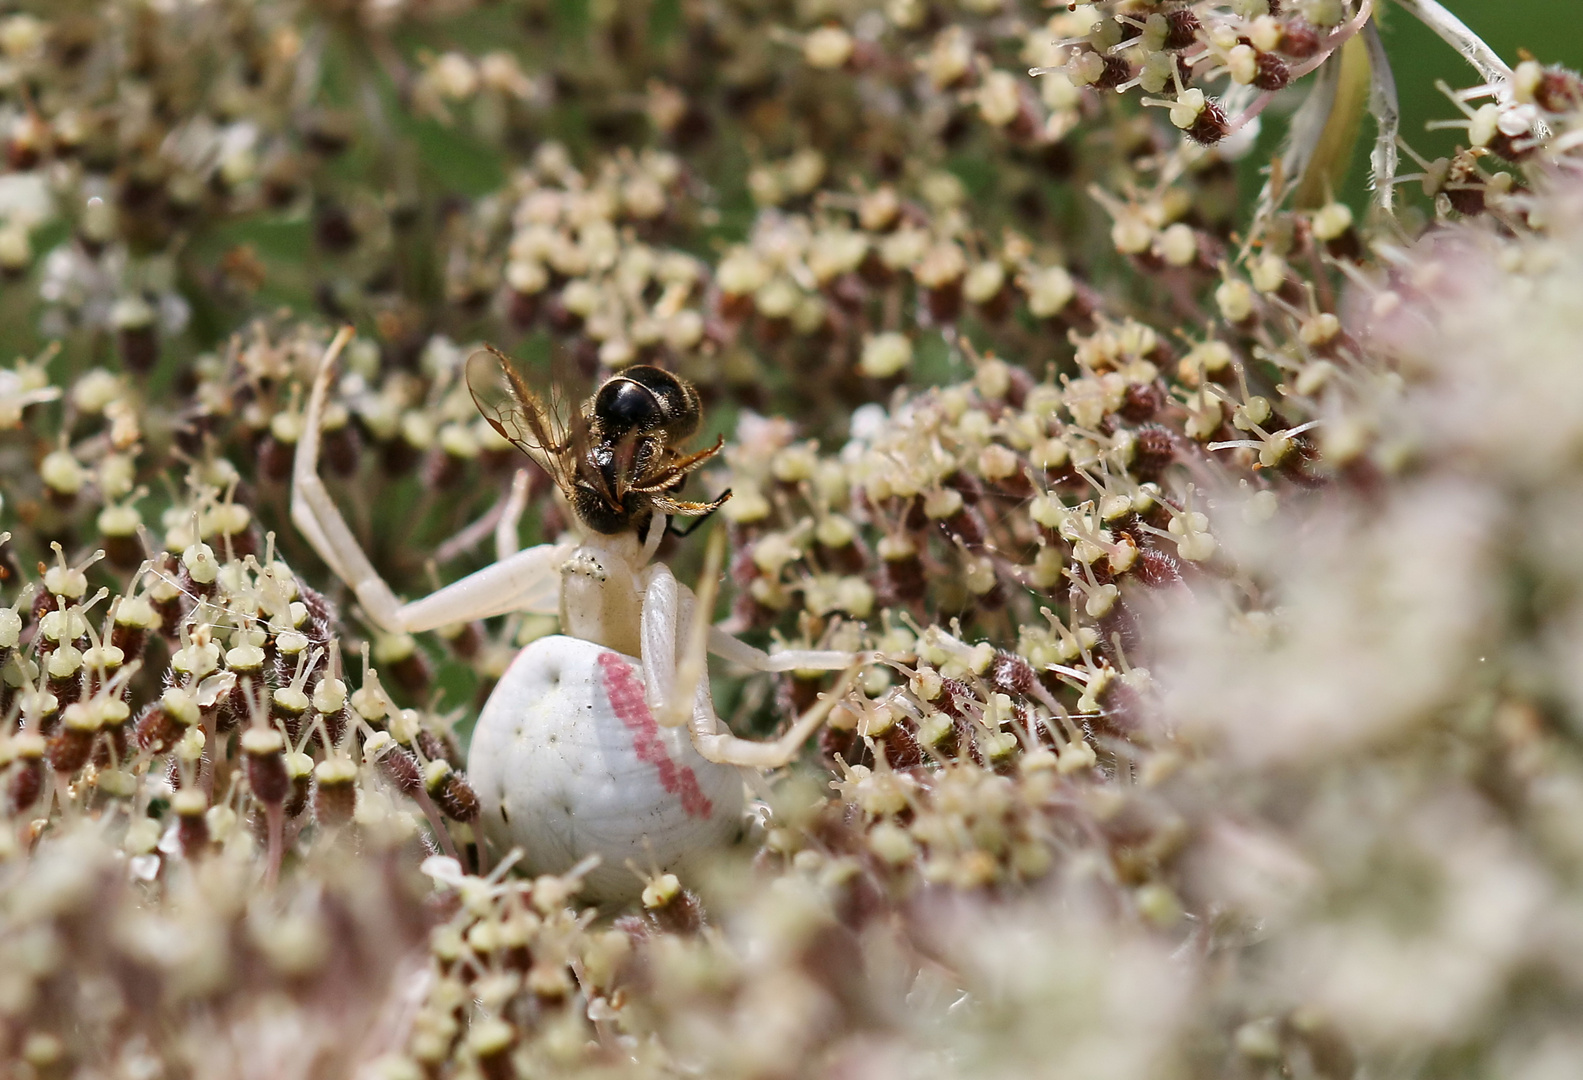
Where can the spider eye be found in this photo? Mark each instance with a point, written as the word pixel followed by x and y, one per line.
pixel 623 405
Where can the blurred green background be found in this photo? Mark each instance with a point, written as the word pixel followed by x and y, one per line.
pixel 452 160
pixel 1550 29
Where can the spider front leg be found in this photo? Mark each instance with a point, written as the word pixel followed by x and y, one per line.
pixel 526 581
pixel 506 529
pixel 677 680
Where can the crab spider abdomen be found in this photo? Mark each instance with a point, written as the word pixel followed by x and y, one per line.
pixel 568 762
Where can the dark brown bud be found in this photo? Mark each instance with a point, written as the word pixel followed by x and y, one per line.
pixel 139 347
pixel 1271 72
pixel 125 551
pixel 274 459
pixel 1466 200
pixel 334 791
pixel 902 576
pixel 192 431
pixel 1155 568
pixel 451 792
pixel 1011 674
pixel 465 640
pixel 403 770
pixel 796 695
pixel 114 715
pixel 192 826
pixel 408 667
pixel 334 727
pixel 967 527
pixel 491 1041
pixel 299 767
pixel 69 747
pixel 333 229
pixel 848 558
pixel 442 470
pixel 263 755
pixel 748 611
pixel 1559 91
pixel 842 741
pixel 156 730
pixel 131 640
pixel 945 301
pixel 437 747
pixel 1153 450
pixel 522 309
pixel 243 542
pixel 902 749
pixel 1511 148
pixel 1117 71
pixel 27 771
pixel 249 694
pixel 341 449
pixel 398 457
pixel 321 615
pixel 1211 125
pixel 1019 384
pixel 682 913
pixel 1182 27
pixel 1299 39
pixel 68 689
pixel 190 587
pixel 743 569
pixel 1141 401
pixel 954 697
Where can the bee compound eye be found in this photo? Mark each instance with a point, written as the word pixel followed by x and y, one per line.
pixel 623 405
pixel 677 400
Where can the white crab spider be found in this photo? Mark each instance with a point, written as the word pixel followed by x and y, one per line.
pixel 603 739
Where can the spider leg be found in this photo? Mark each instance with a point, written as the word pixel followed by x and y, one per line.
pixel 724 748
pixel 527 581
pixel 740 652
pixel 668 596
pixel 659 525
pixel 677 682
pixel 506 529
pixel 667 606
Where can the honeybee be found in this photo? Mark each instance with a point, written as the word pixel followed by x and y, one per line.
pixel 615 458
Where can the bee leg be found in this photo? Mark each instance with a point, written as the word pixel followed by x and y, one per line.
pixel 527 581
pixel 683 534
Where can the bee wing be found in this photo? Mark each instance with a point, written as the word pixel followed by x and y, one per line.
pixel 520 416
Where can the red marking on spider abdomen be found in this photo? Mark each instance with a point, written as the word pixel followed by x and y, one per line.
pixel 626 698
